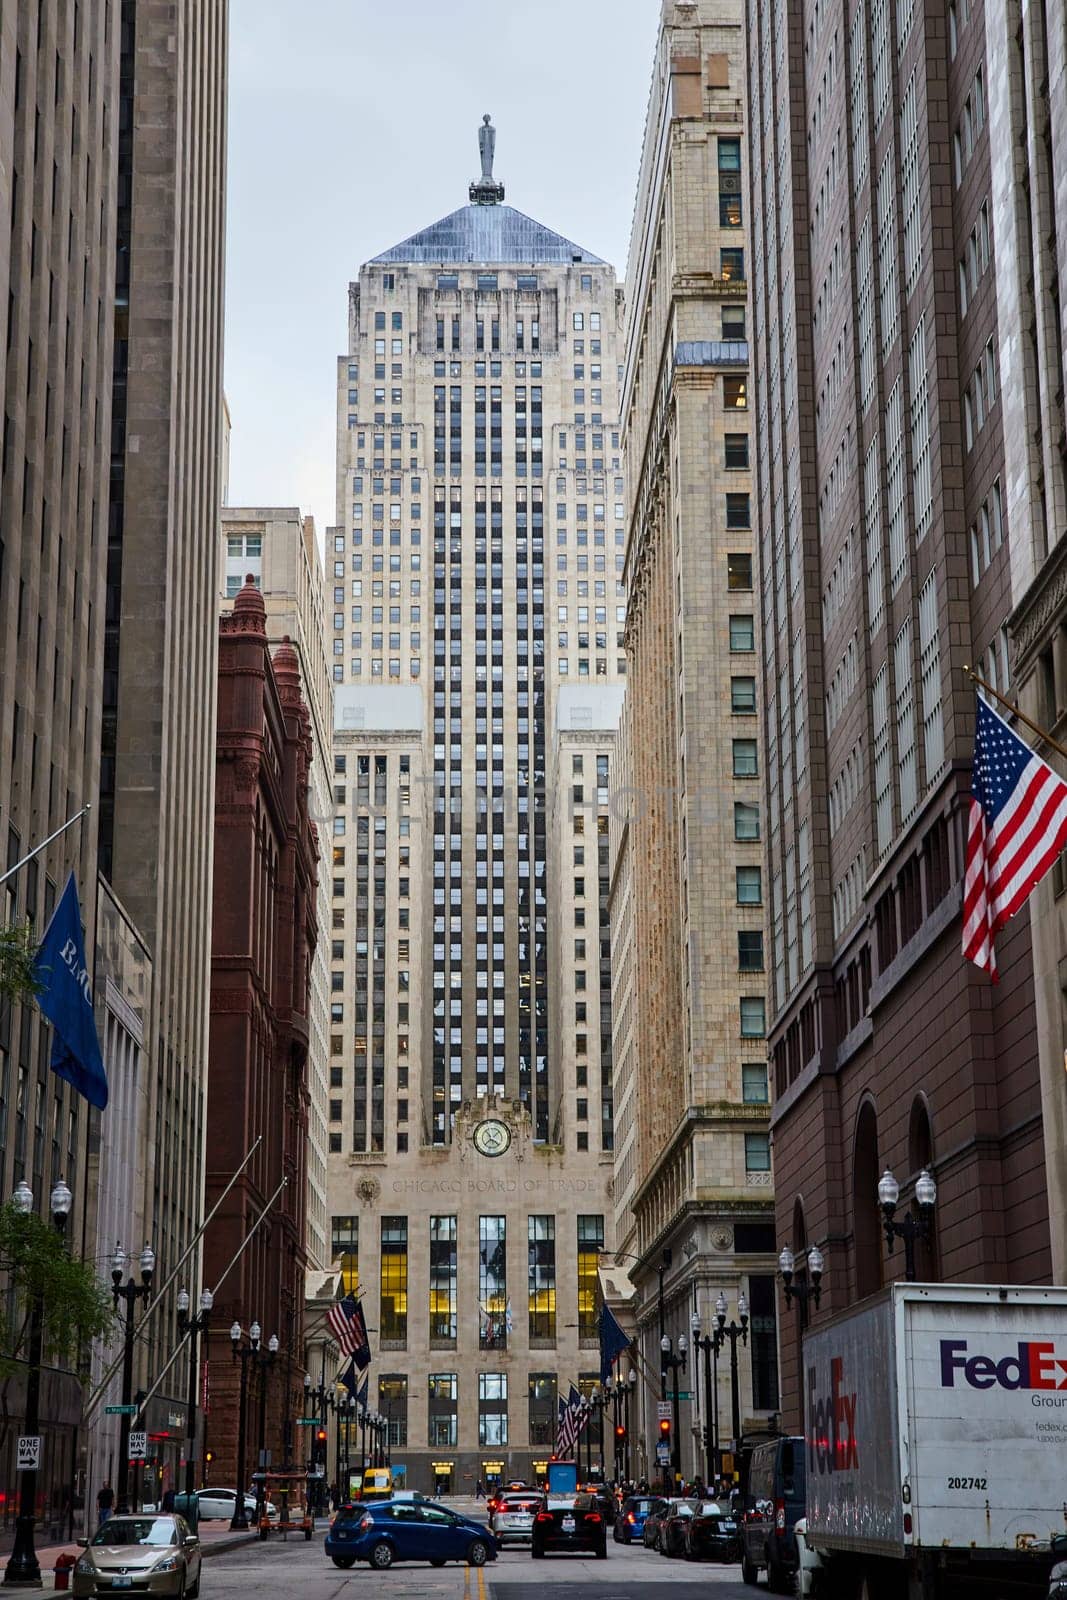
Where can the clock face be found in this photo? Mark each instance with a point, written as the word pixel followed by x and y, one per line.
pixel 492 1138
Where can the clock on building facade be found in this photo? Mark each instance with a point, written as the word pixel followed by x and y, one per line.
pixel 491 1137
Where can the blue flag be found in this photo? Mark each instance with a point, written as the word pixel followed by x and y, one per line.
pixel 361 1397
pixel 66 999
pixel 612 1342
pixel 349 1377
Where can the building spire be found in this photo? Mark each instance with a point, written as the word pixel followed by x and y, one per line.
pixel 486 191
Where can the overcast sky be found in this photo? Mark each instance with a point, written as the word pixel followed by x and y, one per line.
pixel 353 123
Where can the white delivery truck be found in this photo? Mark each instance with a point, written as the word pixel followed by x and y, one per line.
pixel 935 1421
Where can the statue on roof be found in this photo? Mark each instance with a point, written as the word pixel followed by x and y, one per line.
pixel 487 191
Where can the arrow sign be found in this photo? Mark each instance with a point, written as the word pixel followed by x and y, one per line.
pixel 138 1445
pixel 29 1453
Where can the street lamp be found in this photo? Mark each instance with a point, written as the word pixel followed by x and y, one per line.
pixel 23 1566
pixel 194 1327
pixel 265 1363
pixel 708 1345
pixel 628 1387
pixel 808 1286
pixel 246 1354
pixel 733 1332
pixel 912 1228
pixel 129 1292
pixel 676 1362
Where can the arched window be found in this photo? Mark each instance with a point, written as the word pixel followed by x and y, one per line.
pixel 920 1155
pixel 866 1217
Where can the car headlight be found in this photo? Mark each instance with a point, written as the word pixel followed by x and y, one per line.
pixel 85 1566
pixel 168 1564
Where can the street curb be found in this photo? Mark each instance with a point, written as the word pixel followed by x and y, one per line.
pixel 218 1547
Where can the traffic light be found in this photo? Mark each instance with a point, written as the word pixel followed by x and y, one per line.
pixel 320 1434
pixel 664 1430
pixel 620 1433
pixel 209 1456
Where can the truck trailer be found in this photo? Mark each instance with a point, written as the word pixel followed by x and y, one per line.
pixel 935 1425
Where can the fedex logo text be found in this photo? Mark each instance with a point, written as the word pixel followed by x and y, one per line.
pixel 1030 1366
pixel 832 1442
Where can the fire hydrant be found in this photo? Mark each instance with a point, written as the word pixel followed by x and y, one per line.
pixel 64 1563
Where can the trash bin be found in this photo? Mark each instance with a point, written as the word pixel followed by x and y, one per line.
pixel 188 1506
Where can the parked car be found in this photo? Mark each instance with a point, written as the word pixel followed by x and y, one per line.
pixel 157 1554
pixel 512 1516
pixel 604 1499
pixel 630 1522
pixel 212 1503
pixel 672 1527
pixel 712 1534
pixel 774 1501
pixel 654 1520
pixel 408 1530
pixel 570 1522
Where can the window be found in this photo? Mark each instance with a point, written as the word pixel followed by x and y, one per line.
pixel 541 1390
pixel 733 323
pixel 749 886
pixel 742 696
pixel 492 1408
pixel 757 1152
pixel 590 1244
pixel 492 1282
pixel 749 950
pixel 734 389
pixel 746 822
pixel 443 1277
pixel 753 1017
pixel 344 1247
pixel 443 1394
pixel 736 452
pixel 393 1406
pixel 754 1091
pixel 745 758
pixel 393 1315
pixel 742 635
pixel 732 265
pixel 542 1277
pixel 738 514
pixel 739 570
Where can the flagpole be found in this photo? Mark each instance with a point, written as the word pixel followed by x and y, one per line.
pixel 1010 705
pixel 10 873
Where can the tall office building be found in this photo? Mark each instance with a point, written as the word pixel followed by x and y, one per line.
pixel 689 902
pixel 880 460
pixel 477 573
pixel 1026 50
pixel 161 633
pixel 58 124
pixel 280 548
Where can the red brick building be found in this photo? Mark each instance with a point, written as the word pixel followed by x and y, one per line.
pixel 263 938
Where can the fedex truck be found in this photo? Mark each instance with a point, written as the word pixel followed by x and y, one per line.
pixel 935 1423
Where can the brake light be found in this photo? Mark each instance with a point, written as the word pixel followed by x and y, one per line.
pixel 592 1516
pixel 544 1516
pixel 779 1515
pixel 907 1523
pixel 631 1519
pixel 366 1521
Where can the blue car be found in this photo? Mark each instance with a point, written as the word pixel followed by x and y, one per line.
pixel 630 1522
pixel 407 1530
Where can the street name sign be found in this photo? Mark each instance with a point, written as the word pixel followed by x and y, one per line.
pixel 120 1411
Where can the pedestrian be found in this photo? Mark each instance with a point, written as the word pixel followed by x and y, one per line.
pixel 105 1501
pixel 479 1492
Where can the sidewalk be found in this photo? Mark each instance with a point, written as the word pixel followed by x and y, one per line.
pixel 215 1537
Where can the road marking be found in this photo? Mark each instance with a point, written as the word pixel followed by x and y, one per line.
pixel 466 1583
pixel 481 1583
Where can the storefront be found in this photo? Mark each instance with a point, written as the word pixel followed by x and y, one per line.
pixel 492 1473
pixel 163 1470
pixel 444 1477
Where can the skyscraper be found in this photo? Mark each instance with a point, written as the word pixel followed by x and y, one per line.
pixel 885 570
pixel 694 1163
pixel 477 574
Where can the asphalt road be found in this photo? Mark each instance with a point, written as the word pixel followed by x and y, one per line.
pixel 276 1571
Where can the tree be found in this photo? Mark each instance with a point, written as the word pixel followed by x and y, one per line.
pixel 76 1306
pixel 18 946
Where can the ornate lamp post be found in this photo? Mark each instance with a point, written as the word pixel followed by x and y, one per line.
pixel 265 1363
pixel 628 1386
pixel 807 1288
pixel 23 1566
pixel 732 1332
pixel 708 1346
pixel 912 1228
pixel 194 1327
pixel 129 1292
pixel 675 1362
pixel 246 1354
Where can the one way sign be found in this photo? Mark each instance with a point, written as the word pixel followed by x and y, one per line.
pixel 29 1452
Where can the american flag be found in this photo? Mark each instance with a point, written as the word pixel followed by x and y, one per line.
pixel 571 1417
pixel 1018 826
pixel 346 1323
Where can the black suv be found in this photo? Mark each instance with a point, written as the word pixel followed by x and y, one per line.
pixel 774 1504
pixel 570 1522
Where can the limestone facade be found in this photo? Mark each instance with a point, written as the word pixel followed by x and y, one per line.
pixel 690 898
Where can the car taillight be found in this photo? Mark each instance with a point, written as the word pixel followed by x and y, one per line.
pixel 631 1519
pixel 779 1515
pixel 366 1521
pixel 593 1516
pixel 544 1516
